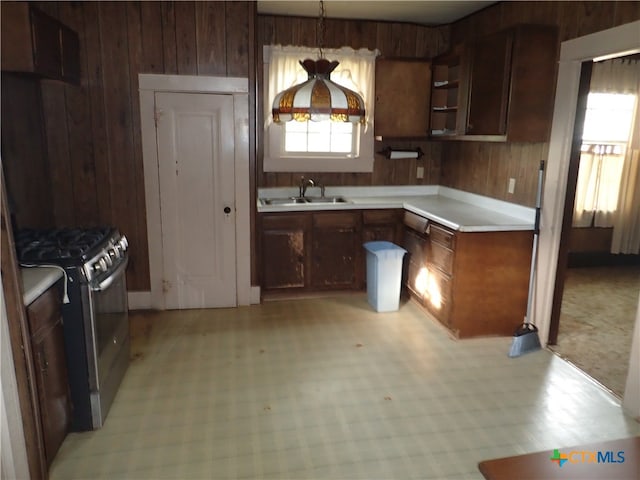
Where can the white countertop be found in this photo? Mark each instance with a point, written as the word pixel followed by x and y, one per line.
pixel 37 280
pixel 456 209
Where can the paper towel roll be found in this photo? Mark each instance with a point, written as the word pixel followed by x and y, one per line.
pixel 403 154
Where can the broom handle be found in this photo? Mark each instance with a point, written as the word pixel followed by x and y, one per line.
pixel 534 252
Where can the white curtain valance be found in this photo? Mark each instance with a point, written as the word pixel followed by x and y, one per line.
pixel 616 76
pixel 356 72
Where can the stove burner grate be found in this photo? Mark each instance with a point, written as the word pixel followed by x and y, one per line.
pixel 58 244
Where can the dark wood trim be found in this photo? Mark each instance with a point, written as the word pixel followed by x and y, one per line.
pixel 572 182
pixel 253 135
pixel 21 345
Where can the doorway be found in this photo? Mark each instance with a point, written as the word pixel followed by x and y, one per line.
pixel 598 277
pixel 608 43
pixel 207 133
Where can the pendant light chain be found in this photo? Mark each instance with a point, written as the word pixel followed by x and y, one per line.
pixel 321 29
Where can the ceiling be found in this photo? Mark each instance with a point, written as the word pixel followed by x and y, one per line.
pixel 425 12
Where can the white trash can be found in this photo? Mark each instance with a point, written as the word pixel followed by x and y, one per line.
pixel 384 275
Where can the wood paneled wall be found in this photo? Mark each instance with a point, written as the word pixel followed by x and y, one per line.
pixel 485 168
pixel 392 40
pixel 92 132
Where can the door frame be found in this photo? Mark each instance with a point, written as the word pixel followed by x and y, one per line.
pixel 237 87
pixel 609 43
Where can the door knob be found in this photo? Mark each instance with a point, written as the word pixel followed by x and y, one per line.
pixel 227 210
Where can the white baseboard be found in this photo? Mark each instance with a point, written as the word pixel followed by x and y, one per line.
pixel 254 295
pixel 142 300
pixel 139 300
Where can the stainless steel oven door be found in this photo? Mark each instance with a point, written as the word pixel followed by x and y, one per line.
pixel 109 348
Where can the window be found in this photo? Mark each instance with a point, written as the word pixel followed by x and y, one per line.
pixel 326 138
pixel 607 129
pixel 608 118
pixel 318 146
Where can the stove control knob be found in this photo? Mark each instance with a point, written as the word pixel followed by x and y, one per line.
pixel 107 259
pixel 101 265
pixel 124 243
pixel 115 251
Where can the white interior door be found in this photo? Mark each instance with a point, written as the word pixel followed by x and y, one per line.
pixel 195 142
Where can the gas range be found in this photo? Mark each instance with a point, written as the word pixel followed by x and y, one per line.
pixel 96 250
pixel 96 324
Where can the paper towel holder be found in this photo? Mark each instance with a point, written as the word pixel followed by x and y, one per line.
pixel 395 153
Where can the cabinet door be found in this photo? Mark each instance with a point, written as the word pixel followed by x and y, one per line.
pixel 47 340
pixel 489 88
pixel 46 44
pixel 17 51
pixel 402 98
pixel 336 250
pixel 285 243
pixel 381 225
pixel 53 388
pixel 414 274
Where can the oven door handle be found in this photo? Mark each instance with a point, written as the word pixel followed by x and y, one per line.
pixel 117 273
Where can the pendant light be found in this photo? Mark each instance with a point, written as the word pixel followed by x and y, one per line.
pixel 318 98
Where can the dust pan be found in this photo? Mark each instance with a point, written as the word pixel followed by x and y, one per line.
pixel 525 338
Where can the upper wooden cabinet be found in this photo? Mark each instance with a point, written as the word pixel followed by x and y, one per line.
pixel 34 42
pixel 505 88
pixel 449 92
pixel 402 98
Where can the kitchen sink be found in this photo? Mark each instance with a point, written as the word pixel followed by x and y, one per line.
pixel 282 201
pixel 289 201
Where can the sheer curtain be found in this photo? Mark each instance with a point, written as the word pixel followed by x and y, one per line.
pixel 356 72
pixel 608 190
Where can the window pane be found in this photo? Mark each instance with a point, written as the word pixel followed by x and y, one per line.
pixel 341 143
pixel 296 142
pixel 608 117
pixel 318 142
pixel 295 126
pixel 319 137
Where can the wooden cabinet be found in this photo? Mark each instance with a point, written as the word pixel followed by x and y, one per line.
pixel 474 283
pixel 402 98
pixel 449 92
pixel 47 342
pixel 34 42
pixel 336 250
pixel 286 243
pixel 381 225
pixel 315 251
pixel 505 87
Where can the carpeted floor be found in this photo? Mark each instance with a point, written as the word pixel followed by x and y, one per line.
pixel 596 322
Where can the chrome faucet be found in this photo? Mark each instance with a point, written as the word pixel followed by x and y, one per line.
pixel 308 182
pixel 304 184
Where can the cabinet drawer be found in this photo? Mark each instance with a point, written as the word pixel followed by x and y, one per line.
pixel 442 236
pixel 376 217
pixel 335 220
pixel 44 311
pixel 288 222
pixel 441 257
pixel 415 222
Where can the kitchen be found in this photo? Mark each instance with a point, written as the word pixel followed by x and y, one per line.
pixel 93 133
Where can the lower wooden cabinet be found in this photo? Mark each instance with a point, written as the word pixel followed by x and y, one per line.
pixel 315 251
pixel 474 283
pixel 47 342
pixel 336 250
pixel 286 243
